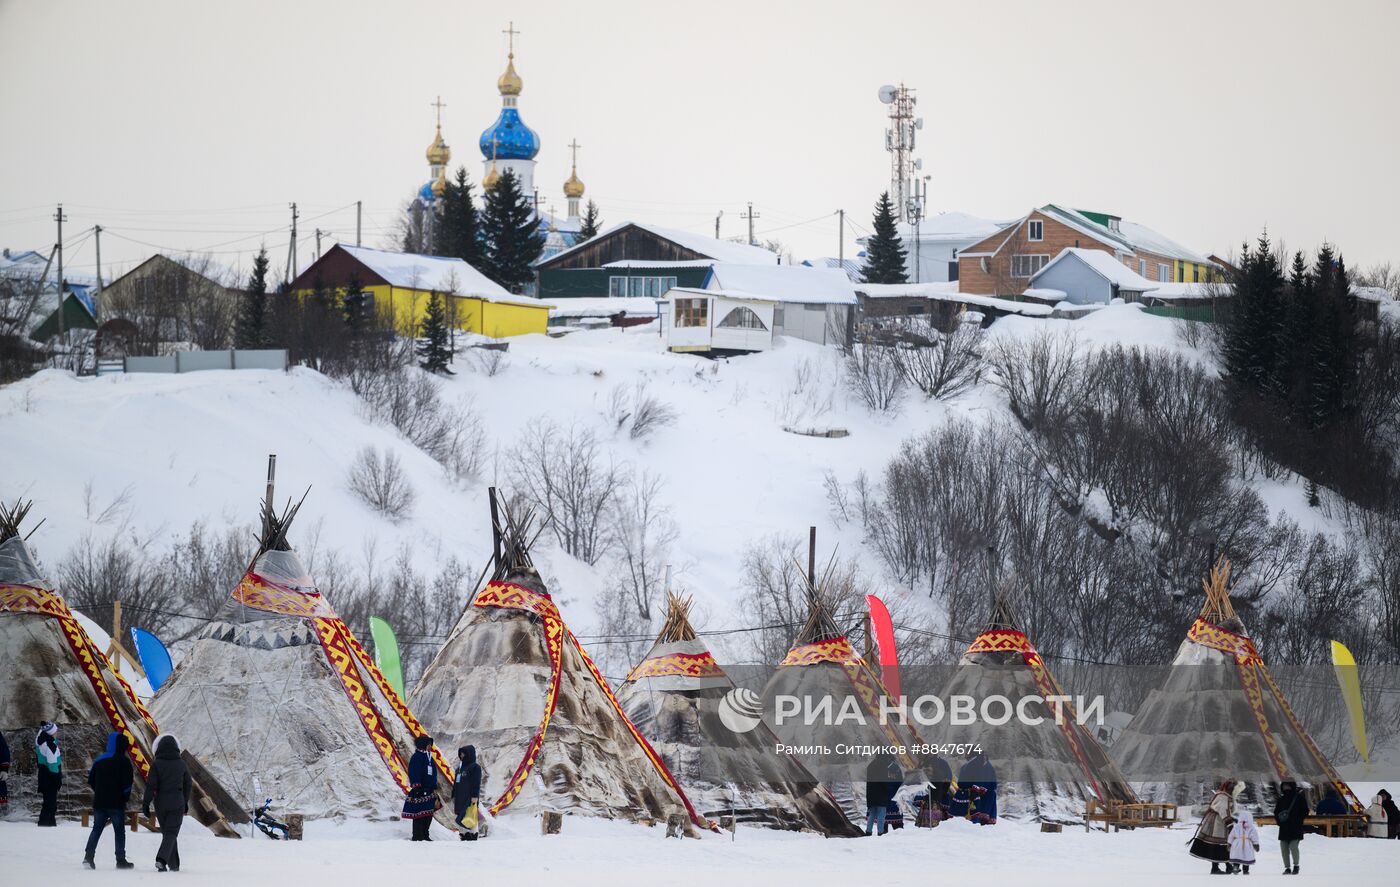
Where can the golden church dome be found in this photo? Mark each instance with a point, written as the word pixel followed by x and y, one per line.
pixel 510 82
pixel 573 188
pixel 440 185
pixel 438 152
pixel 492 178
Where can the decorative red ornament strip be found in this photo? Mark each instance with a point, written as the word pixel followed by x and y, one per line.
pixel 686 665
pixel 41 601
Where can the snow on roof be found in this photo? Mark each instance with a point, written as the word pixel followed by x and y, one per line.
pixel 644 263
pixel 1180 290
pixel 953 226
pixel 1044 294
pixel 947 291
pixel 1148 240
pixel 784 283
pixel 1105 265
pixel 1371 293
pixel 436 273
pixel 850 266
pixel 932 290
pixel 604 306
pixel 719 250
pixel 1085 225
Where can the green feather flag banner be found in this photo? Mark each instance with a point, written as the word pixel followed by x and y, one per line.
pixel 386 652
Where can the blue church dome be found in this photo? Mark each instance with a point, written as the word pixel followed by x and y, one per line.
pixel 514 140
pixel 425 193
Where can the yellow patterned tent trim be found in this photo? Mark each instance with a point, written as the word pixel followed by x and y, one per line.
pixel 685 665
pixel 832 650
pixel 509 596
pixel 343 652
pixel 41 601
pixel 1247 660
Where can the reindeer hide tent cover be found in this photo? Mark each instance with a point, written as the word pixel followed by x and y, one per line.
pixel 1219 714
pixel 515 682
pixel 55 672
pixel 282 701
pixel 1047 770
pixel 823 665
pixel 673 696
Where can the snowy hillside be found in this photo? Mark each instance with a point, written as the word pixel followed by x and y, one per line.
pixel 147 456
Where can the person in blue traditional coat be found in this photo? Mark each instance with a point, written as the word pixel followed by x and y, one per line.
pixel 421 801
pixel 48 760
pixel 110 777
pixel 466 793
pixel 1331 804
pixel 4 771
pixel 978 779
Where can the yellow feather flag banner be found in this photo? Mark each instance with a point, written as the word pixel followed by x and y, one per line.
pixel 1344 664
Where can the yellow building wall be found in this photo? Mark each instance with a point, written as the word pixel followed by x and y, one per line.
pixel 406 308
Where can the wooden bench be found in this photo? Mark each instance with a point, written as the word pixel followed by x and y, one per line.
pixel 1350 825
pixel 133 819
pixel 1116 815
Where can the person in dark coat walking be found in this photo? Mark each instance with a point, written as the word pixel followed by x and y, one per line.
pixel 110 778
pixel 4 771
pixel 466 793
pixel 979 778
pixel 879 791
pixel 48 760
pixel 1392 815
pixel 421 802
pixel 1290 812
pixel 169 787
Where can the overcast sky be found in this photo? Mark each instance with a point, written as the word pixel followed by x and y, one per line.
pixel 191 125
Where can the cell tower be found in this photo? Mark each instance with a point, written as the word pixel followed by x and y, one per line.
pixel 899 141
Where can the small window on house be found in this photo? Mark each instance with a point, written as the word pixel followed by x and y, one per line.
pixel 982 263
pixel 742 319
pixel 777 316
pixel 692 312
pixel 1142 267
pixel 1035 230
pixel 617 287
pixel 1164 273
pixel 1195 273
pixel 1113 224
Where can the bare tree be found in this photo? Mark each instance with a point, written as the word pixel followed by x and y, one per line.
pixel 572 486
pixel 644 535
pixel 1037 374
pixel 945 367
pixel 776 598
pixel 638 411
pixel 872 372
pixel 378 478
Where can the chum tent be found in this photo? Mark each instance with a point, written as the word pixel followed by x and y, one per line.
pixel 1219 714
pixel 1046 770
pixel 823 665
pixel 282 701
pixel 55 672
pixel 673 696
pixel 515 682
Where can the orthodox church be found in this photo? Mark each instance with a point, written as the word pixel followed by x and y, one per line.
pixel 509 144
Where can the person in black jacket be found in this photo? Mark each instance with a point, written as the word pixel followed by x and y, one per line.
pixel 1392 815
pixel 879 791
pixel 466 791
pixel 110 778
pixel 48 762
pixel 1290 812
pixel 169 787
pixel 421 801
pixel 4 770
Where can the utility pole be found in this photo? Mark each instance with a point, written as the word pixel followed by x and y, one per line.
pixel 841 242
pixel 292 250
pixel 717 218
pixel 359 207
pixel 97 297
pixel 750 215
pixel 318 243
pixel 60 218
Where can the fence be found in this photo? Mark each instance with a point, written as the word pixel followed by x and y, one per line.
pixel 194 361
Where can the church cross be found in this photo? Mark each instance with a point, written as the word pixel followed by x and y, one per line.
pixel 573 147
pixel 494 141
pixel 439 104
pixel 511 32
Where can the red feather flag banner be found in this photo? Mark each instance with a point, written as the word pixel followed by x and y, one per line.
pixel 883 629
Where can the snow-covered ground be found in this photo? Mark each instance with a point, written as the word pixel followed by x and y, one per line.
pixel 591 851
pixel 146 456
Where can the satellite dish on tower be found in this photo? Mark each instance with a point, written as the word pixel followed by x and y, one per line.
pixel 887 94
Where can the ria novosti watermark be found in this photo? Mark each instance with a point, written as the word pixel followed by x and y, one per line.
pixel 742 710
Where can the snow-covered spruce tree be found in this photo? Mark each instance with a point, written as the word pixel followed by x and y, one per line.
pixel 588 227
pixel 457 233
pixel 434 340
pixel 250 331
pixel 884 252
pixel 511 236
pixel 1254 332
